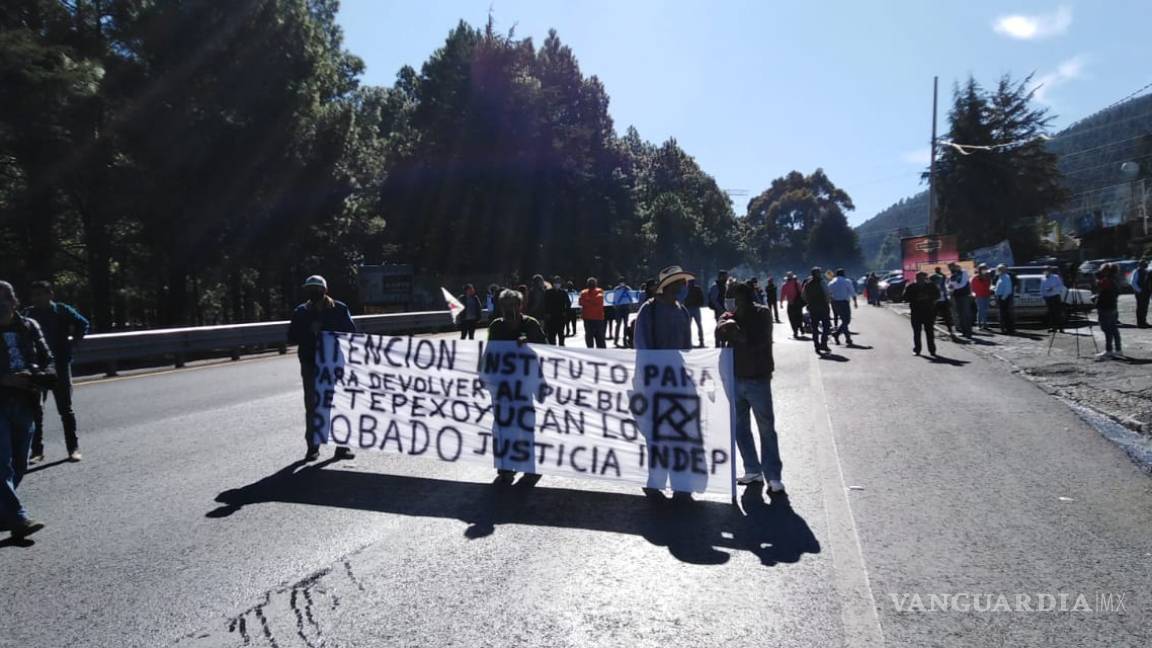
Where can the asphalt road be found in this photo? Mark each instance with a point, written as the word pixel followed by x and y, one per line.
pixel 191 523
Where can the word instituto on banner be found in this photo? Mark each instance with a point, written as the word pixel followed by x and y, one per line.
pixel 655 418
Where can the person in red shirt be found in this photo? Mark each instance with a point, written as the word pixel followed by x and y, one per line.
pixel 790 292
pixel 982 291
pixel 592 312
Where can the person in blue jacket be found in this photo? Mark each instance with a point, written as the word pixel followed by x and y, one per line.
pixel 319 313
pixel 63 327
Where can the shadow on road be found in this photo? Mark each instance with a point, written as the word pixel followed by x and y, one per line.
pixel 45 466
pixel 834 357
pixel 694 532
pixel 23 543
pixel 1134 361
pixel 939 359
pixel 979 341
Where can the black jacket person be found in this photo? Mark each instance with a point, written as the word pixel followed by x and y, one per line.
pixel 923 296
pixel 319 313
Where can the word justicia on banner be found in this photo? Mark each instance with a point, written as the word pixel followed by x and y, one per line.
pixel 654 418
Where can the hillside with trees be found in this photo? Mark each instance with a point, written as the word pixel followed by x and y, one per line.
pixel 1088 154
pixel 186 162
pixel 908 217
pixel 1091 153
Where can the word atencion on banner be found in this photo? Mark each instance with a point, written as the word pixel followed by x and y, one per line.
pixel 653 418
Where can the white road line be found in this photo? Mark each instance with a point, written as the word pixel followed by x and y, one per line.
pixel 857 603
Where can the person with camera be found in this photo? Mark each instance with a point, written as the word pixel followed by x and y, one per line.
pixel 26 370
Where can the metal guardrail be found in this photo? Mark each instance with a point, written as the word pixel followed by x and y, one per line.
pixel 110 349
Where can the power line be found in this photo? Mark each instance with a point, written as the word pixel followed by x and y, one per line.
pixel 1131 96
pixel 1062 134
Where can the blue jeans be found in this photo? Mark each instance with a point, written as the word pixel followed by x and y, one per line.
pixel 982 311
pixel 755 395
pixel 1109 323
pixel 16 423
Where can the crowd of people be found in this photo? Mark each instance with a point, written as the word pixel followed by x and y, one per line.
pixel 954 300
pixel 36 359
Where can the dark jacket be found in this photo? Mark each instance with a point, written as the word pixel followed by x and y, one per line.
pixel 534 302
pixel 501 330
pixel 695 298
pixel 770 293
pixel 556 304
pixel 922 297
pixel 752 358
pixel 477 308
pixel 62 326
pixel 1107 294
pixel 33 353
pixel 716 296
pixel 308 321
pixel 816 297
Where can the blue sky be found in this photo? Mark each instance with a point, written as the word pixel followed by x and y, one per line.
pixel 756 89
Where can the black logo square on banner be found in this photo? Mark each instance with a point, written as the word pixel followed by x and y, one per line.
pixel 676 417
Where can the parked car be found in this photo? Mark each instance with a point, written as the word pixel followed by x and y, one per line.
pixel 1028 304
pixel 1089 268
pixel 1126 268
pixel 892 285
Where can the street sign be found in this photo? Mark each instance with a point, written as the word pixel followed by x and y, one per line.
pixel 386 285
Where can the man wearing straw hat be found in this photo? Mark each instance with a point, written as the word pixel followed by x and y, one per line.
pixel 662 322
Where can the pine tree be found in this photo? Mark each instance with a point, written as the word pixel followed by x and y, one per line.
pixel 986 195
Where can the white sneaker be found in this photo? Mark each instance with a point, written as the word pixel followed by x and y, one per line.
pixel 750 478
pixel 1103 355
pixel 776 486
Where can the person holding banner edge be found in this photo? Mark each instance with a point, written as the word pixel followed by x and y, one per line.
pixel 513 326
pixel 748 332
pixel 319 313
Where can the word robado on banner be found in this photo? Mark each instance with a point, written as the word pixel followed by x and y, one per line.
pixel 656 418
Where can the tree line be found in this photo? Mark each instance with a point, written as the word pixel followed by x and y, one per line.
pixel 172 162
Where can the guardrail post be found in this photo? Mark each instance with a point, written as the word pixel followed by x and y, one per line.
pixel 179 360
pixel 283 349
pixel 110 369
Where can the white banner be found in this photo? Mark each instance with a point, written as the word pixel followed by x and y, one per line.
pixel 653 418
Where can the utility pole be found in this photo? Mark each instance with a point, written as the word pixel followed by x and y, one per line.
pixel 932 225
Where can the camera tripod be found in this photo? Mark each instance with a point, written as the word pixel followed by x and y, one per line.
pixel 1076 300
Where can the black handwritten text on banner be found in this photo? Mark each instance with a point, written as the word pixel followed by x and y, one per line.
pixel 655 418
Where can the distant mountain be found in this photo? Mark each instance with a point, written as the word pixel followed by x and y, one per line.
pixel 908 217
pixel 1091 152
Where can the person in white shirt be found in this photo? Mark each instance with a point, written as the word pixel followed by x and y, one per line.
pixel 840 290
pixel 960 289
pixel 1052 290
